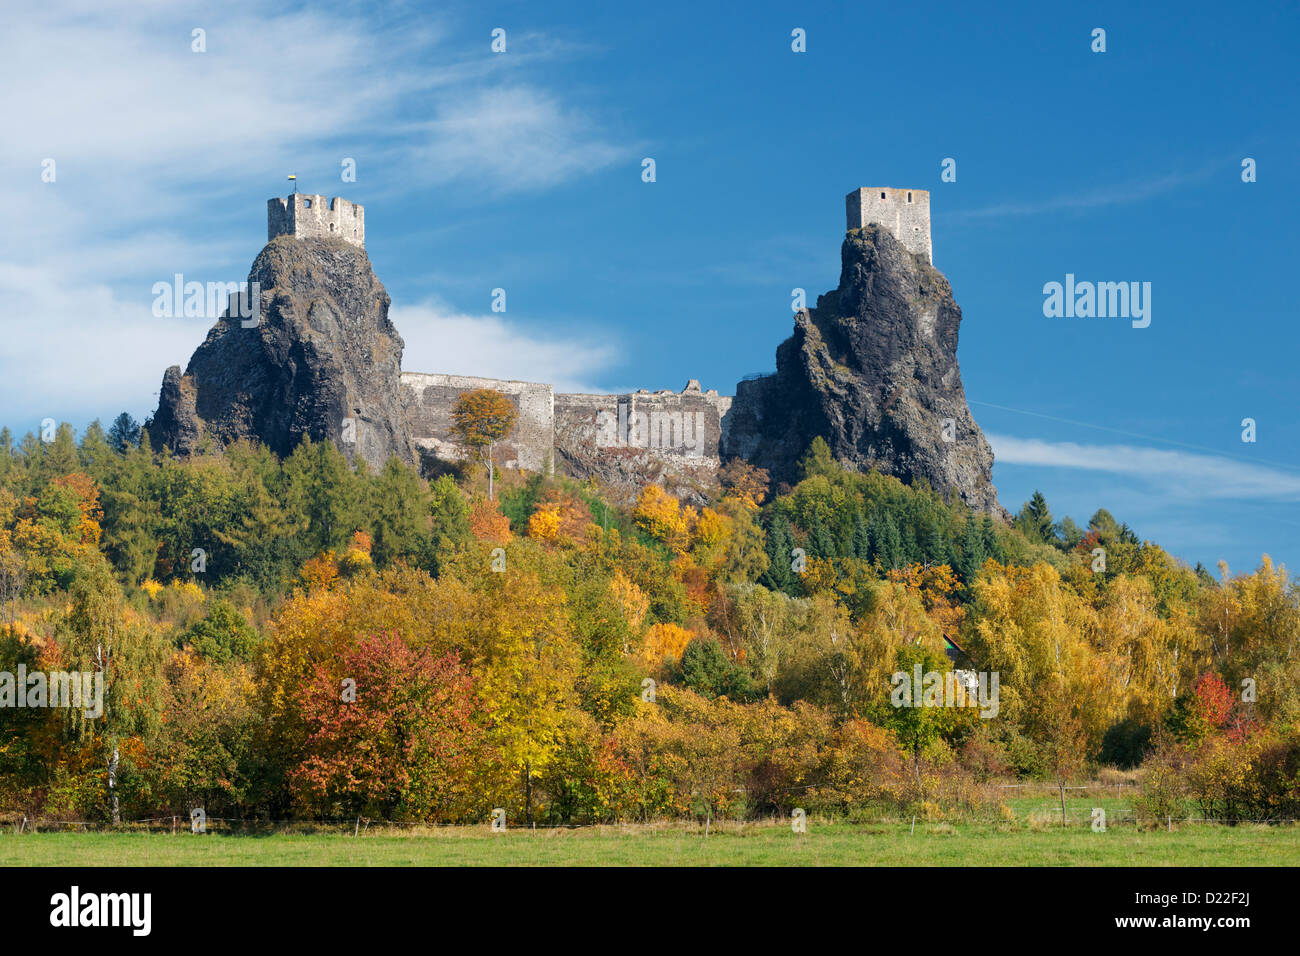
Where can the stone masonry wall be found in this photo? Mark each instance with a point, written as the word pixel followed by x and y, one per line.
pixel 672 425
pixel 627 441
pixel 622 440
pixel 908 221
pixel 429 399
pixel 316 217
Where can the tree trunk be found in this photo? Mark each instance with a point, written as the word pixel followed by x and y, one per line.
pixel 112 789
pixel 1061 784
pixel 528 792
pixel 491 493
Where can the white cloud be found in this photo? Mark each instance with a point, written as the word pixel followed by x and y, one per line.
pixel 513 138
pixel 438 340
pixel 70 348
pixel 1101 196
pixel 165 158
pixel 1173 473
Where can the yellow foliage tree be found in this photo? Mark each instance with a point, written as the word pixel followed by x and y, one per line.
pixel 1033 631
pixel 544 523
pixel 661 516
pixel 631 600
pixel 665 642
pixel 480 419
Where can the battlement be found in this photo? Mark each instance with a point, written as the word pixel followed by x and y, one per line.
pixel 904 212
pixel 313 217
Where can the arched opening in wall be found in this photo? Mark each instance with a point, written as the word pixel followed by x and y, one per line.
pixel 331 227
pixel 306 204
pixel 909 197
pixel 883 196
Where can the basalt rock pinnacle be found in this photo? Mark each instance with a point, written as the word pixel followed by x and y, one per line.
pixel 873 371
pixel 322 360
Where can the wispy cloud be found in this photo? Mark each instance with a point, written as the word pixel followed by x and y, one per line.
pixel 1173 473
pixel 513 138
pixel 440 340
pixel 158 151
pixel 1118 194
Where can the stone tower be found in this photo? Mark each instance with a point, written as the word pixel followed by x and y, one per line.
pixel 314 217
pixel 904 212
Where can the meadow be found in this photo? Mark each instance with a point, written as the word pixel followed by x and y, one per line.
pixel 1033 840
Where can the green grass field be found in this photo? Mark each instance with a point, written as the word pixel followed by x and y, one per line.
pixel 1021 843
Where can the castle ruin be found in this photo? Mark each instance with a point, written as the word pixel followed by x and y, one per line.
pixel 904 212
pixel 306 216
pixel 678 438
pixel 684 432
pixel 641 431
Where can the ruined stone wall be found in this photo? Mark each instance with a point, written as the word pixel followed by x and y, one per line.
pixel 904 212
pixel 674 425
pixel 306 216
pixel 429 399
pixel 627 441
pixel 623 441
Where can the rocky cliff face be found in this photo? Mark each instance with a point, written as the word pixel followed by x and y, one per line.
pixel 323 352
pixel 872 370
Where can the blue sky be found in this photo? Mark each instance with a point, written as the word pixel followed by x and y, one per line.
pixel 522 171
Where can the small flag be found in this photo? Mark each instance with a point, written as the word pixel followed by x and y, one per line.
pixel 292 176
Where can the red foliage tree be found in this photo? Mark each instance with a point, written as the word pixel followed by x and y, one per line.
pixel 1214 701
pixel 403 743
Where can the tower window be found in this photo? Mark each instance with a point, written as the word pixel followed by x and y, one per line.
pixel 306 203
pixel 331 227
pixel 909 197
pixel 882 195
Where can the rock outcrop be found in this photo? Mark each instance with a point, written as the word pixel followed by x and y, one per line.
pixel 323 360
pixel 872 370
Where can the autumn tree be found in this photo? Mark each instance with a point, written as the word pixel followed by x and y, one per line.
pixel 205 753
pixel 480 419
pixel 403 741
pixel 104 636
pixel 745 482
pixel 1059 728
